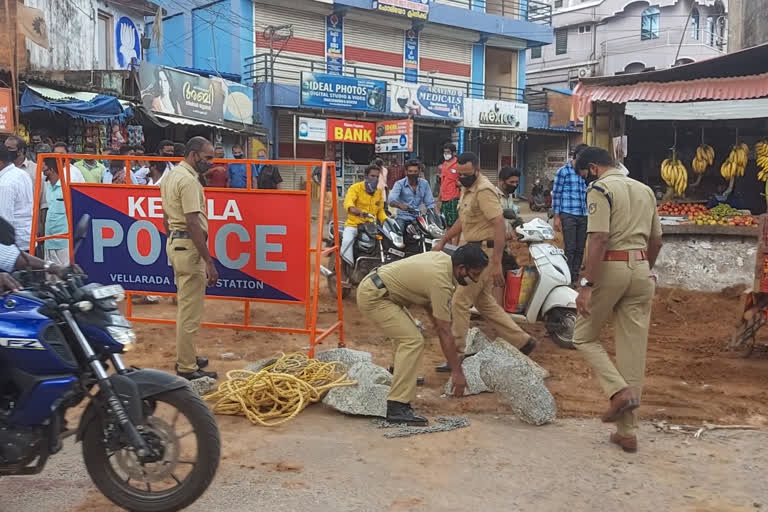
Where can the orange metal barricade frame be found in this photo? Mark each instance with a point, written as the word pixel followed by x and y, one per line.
pixel 313 259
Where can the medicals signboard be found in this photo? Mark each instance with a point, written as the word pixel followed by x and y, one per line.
pixel 497 115
pixel 343 92
pixel 426 100
pixel 355 132
pixel 394 136
pixel 312 129
pixel 334 44
pixel 411 56
pixel 259 251
pixel 413 9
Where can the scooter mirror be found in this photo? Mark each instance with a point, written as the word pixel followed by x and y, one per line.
pixel 81 231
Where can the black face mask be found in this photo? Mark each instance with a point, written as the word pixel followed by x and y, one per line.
pixel 468 181
pixel 465 280
pixel 13 155
pixel 238 156
pixel 510 189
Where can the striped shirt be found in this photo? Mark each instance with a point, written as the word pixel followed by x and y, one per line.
pixel 8 256
pixel 569 194
pixel 16 203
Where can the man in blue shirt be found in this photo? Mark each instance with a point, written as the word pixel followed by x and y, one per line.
pixel 410 193
pixel 56 249
pixel 569 204
pixel 236 173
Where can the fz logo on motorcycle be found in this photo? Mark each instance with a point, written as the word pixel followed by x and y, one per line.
pixel 21 344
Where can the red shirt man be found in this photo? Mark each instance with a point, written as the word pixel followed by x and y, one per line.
pixel 217 174
pixel 449 185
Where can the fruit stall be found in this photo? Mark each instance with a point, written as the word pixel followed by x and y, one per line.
pixel 706 249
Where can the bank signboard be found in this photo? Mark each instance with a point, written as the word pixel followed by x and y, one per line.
pixel 496 115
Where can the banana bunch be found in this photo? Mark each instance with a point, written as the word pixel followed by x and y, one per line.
pixel 705 156
pixel 736 163
pixel 762 159
pixel 674 174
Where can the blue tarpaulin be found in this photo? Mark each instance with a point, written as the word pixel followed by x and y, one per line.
pixel 98 108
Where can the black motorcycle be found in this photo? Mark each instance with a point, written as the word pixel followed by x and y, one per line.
pixel 422 233
pixel 375 245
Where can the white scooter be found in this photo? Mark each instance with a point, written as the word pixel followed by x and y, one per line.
pixel 552 299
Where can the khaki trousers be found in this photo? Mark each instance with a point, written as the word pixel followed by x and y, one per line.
pixel 407 342
pixel 625 292
pixel 189 271
pixel 480 294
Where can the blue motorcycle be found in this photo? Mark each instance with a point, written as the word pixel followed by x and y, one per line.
pixel 150 444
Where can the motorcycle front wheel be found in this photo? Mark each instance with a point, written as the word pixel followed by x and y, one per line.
pixel 183 431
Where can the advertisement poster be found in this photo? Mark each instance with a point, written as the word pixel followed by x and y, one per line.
pixel 259 252
pixel 334 45
pixel 332 91
pixel 426 100
pixel 394 136
pixel 498 115
pixel 411 56
pixel 170 91
pixel 413 9
pixel 6 110
pixel 312 129
pixel 127 43
pixel 355 132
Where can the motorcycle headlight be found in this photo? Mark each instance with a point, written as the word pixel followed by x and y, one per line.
pixel 122 335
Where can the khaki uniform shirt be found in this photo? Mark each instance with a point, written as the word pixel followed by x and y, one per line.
pixel 478 205
pixel 624 208
pixel 182 193
pixel 422 280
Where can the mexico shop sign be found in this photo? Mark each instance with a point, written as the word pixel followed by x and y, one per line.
pixel 171 91
pixel 414 9
pixel 426 100
pixel 343 92
pixel 258 250
pixel 498 115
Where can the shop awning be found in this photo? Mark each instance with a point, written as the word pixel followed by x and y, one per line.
pixel 185 121
pixel 698 110
pixel 79 105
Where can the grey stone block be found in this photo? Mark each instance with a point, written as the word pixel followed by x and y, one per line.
pixel 260 365
pixel 368 397
pixel 344 355
pixel 203 385
pixel 521 386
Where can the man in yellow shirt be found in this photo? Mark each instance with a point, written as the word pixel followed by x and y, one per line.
pixel 364 202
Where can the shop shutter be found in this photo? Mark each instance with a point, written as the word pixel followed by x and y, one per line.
pixel 451 58
pixel 291 175
pixel 374 46
pixel 307 43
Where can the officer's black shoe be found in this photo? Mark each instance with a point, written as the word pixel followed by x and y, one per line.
pixel 202 362
pixel 199 374
pixel 398 412
pixel 528 347
pixel 443 368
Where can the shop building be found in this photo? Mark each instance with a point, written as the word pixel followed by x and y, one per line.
pixel 352 62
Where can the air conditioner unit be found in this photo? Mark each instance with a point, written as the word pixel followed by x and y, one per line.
pixel 585 72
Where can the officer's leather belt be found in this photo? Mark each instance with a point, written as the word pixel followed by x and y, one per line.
pixel 377 282
pixel 487 243
pixel 625 256
pixel 179 234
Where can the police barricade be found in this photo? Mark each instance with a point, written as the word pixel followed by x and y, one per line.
pixel 260 240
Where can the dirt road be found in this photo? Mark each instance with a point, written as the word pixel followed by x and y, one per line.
pixel 323 461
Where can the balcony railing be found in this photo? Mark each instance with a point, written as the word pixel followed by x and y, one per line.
pixel 705 40
pixel 287 70
pixel 535 11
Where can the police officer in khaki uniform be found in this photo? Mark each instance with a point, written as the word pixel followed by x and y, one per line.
pixel 623 241
pixel 186 224
pixel 481 221
pixel 427 280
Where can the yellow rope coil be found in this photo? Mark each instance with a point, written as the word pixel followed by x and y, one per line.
pixel 278 392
